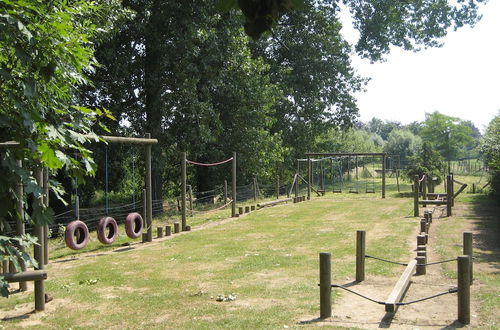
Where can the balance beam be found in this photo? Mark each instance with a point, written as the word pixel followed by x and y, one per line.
pixel 400 287
pixel 271 203
pixel 432 202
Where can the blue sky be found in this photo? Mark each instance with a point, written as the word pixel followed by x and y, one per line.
pixel 460 79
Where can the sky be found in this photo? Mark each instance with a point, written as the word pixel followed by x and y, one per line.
pixel 460 79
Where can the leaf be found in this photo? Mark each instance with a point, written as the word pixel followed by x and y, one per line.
pixel 29 87
pixel 47 72
pixel 226 5
pixel 49 156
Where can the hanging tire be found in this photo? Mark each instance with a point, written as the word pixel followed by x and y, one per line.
pixel 76 235
pixel 103 226
pixel 134 225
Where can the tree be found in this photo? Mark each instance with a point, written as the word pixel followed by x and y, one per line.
pixel 403 143
pixel 44 54
pixel 449 135
pixel 428 162
pixel 490 149
pixel 381 127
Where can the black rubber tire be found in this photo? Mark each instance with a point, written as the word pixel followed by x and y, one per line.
pixel 76 235
pixel 134 225
pixel 104 223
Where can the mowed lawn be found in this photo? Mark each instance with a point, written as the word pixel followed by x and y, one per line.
pixel 267 260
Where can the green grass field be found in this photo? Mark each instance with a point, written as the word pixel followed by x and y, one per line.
pixel 267 260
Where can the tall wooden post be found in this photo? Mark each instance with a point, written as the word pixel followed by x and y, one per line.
pixel 149 193
pixel 20 229
pixel 360 255
pixel 415 196
pixel 38 250
pixel 463 281
pixel 296 182
pixel 424 188
pixel 309 177
pixel 383 175
pixel 325 285
pixel 356 166
pixel 255 189
pixel 190 193
pixel 449 195
pixel 467 249
pixel 452 188
pixel 233 186
pixel 225 191
pixel 277 187
pixel 46 227
pixel 183 190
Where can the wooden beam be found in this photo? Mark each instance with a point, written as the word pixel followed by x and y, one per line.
pixel 314 154
pixel 432 202
pixel 400 287
pixel 33 275
pixel 271 203
pixel 131 140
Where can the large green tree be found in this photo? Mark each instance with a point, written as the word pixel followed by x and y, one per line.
pixel 490 149
pixel 403 143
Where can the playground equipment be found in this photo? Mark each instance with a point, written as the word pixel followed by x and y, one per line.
pixel 185 161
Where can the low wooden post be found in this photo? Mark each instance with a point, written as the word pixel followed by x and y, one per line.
pixel 473 188
pixel 360 255
pixel 247 209
pixel 420 239
pixel 467 249
pixel 240 210
pixel 144 237
pixel 449 196
pixel 168 230
pixel 463 285
pixel 252 207
pixel 415 196
pixel 421 268
pixel 325 285
pixel 423 225
pixel 159 232
pixel 421 248
pixel 177 228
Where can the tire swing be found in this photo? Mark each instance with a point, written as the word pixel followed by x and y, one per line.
pixel 107 225
pixel 134 225
pixel 76 235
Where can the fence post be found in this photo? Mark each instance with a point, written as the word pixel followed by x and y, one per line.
pixel 360 255
pixel 225 191
pixel 449 195
pixel 383 176
pixel 467 247
pixel 309 177
pixel 325 285
pixel 20 228
pixel 149 193
pixel 255 189
pixel 183 190
pixel 463 284
pixel 233 186
pixel 190 194
pixel 415 196
pixel 277 187
pixel 38 251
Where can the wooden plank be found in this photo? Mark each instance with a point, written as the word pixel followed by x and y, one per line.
pixel 437 194
pixel 33 275
pixel 400 287
pixel 432 202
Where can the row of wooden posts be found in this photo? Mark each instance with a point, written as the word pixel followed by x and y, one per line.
pixel 416 266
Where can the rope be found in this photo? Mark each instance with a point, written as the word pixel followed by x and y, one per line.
pixel 440 262
pixel 217 209
pixel 451 290
pixel 209 164
pixel 385 260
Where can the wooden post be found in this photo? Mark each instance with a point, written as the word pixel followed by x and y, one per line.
pixel 423 225
pixel 183 190
pixel 20 229
pixel 144 203
pixel 233 186
pixel 190 193
pixel 397 179
pixel 325 285
pixel 449 196
pixel 46 227
pixel 356 166
pixel 360 255
pixel 309 177
pixel 421 269
pixel 415 196
pixel 467 249
pixel 38 251
pixel 255 189
pixel 452 188
pixel 225 191
pixel 383 176
pixel 277 187
pixel 149 193
pixel 296 181
pixel 240 210
pixel 463 284
pixel 247 209
pixel 168 230
pixel 424 189
pixel 421 240
pixel 177 228
pixel 159 232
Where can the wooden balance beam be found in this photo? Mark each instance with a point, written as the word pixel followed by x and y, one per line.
pixel 400 287
pixel 271 203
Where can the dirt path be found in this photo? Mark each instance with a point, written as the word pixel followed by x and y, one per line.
pixel 439 313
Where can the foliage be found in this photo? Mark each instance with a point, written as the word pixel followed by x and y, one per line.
pixel 381 127
pixel 428 162
pixel 352 140
pixel 45 50
pixel 403 143
pixel 449 135
pixel 490 149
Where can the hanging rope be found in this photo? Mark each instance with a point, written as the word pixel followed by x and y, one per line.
pixel 209 164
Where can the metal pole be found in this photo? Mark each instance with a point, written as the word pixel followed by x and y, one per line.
pixel 149 192
pixel 325 285
pixel 183 190
pixel 233 186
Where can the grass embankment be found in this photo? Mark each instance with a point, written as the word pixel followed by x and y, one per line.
pixel 267 259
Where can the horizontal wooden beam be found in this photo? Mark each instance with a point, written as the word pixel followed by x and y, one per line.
pixel 9 144
pixel 274 202
pixel 400 287
pixel 314 154
pixel 432 202
pixel 131 140
pixel 32 275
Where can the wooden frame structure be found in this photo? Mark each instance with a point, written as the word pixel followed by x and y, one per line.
pixel 383 155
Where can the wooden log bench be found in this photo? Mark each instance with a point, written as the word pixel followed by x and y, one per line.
pixel 400 288
pixel 272 203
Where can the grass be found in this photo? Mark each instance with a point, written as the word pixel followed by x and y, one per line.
pixel 268 259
